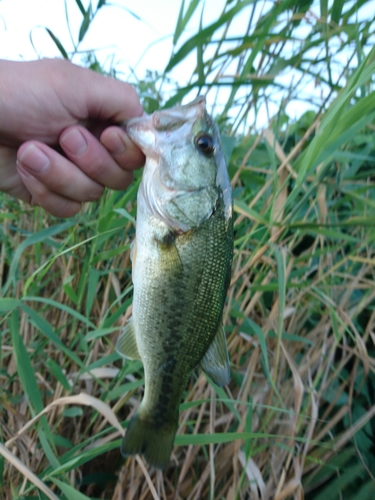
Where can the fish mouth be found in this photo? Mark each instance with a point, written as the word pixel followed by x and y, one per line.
pixel 143 129
pixel 174 118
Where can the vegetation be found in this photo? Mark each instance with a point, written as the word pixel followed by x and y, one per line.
pixel 297 420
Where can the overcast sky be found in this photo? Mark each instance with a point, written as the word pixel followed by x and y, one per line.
pixel 130 35
pixel 115 31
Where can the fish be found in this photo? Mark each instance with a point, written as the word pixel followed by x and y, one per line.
pixel 181 268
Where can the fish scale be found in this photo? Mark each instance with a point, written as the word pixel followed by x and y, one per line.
pixel 181 270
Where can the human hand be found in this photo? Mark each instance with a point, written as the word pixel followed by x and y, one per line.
pixel 59 145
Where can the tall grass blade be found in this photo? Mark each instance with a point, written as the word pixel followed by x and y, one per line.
pixel 58 44
pixel 69 492
pixel 26 374
pixel 183 19
pixel 204 35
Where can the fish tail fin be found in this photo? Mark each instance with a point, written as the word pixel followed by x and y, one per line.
pixel 154 443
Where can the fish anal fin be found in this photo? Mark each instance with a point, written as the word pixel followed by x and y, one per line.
pixel 126 344
pixel 215 363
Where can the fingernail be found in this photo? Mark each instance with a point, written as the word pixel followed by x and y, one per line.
pixel 33 159
pixel 74 142
pixel 115 143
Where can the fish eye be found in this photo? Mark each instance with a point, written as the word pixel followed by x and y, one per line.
pixel 205 144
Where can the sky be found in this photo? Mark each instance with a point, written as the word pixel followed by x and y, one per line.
pixel 114 31
pixel 130 35
pixel 133 36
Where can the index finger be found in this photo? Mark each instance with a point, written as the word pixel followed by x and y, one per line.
pixel 110 99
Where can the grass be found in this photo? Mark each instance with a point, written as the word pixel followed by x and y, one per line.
pixel 297 420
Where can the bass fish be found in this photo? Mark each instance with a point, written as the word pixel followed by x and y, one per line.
pixel 181 264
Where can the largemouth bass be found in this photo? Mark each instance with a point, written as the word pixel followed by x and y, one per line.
pixel 181 260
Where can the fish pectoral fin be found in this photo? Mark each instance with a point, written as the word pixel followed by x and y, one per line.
pixel 169 251
pixel 133 251
pixel 133 254
pixel 126 344
pixel 215 363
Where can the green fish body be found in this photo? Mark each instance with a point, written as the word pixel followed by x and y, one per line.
pixel 181 259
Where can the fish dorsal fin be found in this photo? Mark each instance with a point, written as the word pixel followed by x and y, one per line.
pixel 126 344
pixel 216 360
